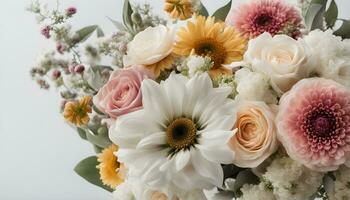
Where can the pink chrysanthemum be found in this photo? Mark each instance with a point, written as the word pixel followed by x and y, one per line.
pixel 273 16
pixel 314 123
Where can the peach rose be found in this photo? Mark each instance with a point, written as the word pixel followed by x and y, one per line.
pixel 122 94
pixel 256 137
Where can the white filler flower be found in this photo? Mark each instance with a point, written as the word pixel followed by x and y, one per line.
pixel 179 139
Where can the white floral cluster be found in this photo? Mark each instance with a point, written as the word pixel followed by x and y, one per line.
pixel 291 180
pixel 341 188
pixel 330 55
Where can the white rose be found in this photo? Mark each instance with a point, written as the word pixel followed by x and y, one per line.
pixel 150 46
pixel 281 58
pixel 253 86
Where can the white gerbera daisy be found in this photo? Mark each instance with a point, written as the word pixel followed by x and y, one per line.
pixel 179 139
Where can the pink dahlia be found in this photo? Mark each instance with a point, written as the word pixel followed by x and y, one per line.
pixel 314 123
pixel 273 16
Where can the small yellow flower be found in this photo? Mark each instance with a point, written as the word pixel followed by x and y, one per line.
pixel 77 112
pixel 179 9
pixel 112 173
pixel 205 37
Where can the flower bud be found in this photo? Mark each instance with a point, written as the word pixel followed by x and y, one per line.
pixel 102 130
pixel 45 31
pixel 60 48
pixel 79 69
pixel 71 11
pixel 136 18
pixel 56 74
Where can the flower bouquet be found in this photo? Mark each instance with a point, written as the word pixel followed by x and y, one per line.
pixel 249 102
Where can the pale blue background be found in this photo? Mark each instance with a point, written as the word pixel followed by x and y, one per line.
pixel 38 151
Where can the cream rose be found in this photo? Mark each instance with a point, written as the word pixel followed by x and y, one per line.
pixel 281 58
pixel 256 137
pixel 150 46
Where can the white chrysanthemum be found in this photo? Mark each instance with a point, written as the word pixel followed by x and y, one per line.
pixel 253 86
pixel 179 138
pixel 330 56
pixel 255 192
pixel 291 180
pixel 341 185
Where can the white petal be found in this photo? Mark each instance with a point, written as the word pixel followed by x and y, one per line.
pixel 153 140
pixel 155 102
pixel 197 88
pixel 182 159
pixel 176 91
pixel 222 155
pixel 208 169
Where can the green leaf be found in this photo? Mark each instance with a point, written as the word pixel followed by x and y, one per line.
pixel 97 149
pixel 344 30
pixel 202 10
pixel 100 32
pixel 117 24
pixel 82 133
pixel 127 11
pixel 222 12
pixel 315 14
pixel 245 177
pixel 331 14
pixel 98 140
pixel 94 77
pixel 84 33
pixel 87 170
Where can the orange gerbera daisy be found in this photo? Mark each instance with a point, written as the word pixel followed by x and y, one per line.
pixel 77 112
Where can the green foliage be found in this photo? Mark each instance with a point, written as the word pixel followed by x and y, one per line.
pixel 87 170
pixel 84 33
pixel 100 32
pixel 344 30
pixel 127 12
pixel 318 14
pixel 315 14
pixel 203 11
pixel 331 14
pixel 245 177
pixel 221 13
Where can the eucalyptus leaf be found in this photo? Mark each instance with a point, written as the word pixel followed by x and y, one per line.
pixel 94 77
pixel 314 17
pixel 84 33
pixel 87 170
pixel 127 12
pixel 82 133
pixel 245 177
pixel 100 32
pixel 97 149
pixel 221 13
pixel 331 14
pixel 101 141
pixel 344 30
pixel 203 11
pixel 117 24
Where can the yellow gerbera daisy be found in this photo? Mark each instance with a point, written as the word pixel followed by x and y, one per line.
pixel 205 37
pixel 112 173
pixel 179 9
pixel 77 112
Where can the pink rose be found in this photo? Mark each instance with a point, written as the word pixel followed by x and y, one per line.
pixel 122 94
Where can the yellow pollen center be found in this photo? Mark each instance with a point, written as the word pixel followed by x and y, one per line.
pixel 181 133
pixel 213 49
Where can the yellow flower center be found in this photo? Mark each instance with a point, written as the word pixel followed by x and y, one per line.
pixel 211 48
pixel 181 133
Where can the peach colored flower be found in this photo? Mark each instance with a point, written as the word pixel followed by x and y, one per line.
pixel 122 94
pixel 256 137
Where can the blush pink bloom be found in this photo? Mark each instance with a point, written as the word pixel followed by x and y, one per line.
pixel 314 123
pixel 122 94
pixel 272 16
